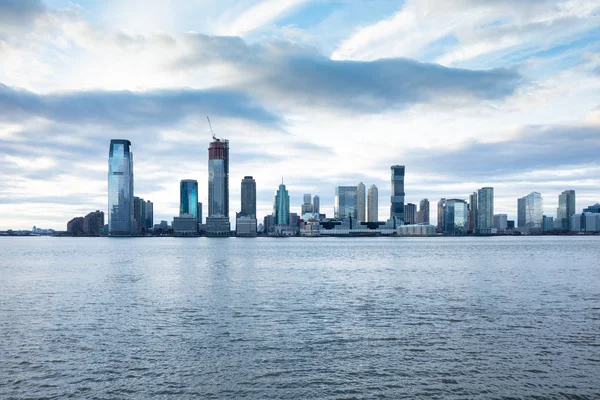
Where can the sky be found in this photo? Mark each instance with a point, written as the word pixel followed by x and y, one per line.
pixel 464 93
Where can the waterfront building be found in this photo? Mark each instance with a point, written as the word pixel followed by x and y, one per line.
pixel 373 204
pixel 585 222
pixel 416 230
pixel 521 212
pixel 75 226
pixel 248 194
pixel 294 218
pixel 185 225
pixel 345 203
pixel 455 217
pixel 199 213
pixel 245 226
pixel 139 214
pixel 361 203
pixel 500 222
pixel 472 212
pixel 93 223
pixel 120 188
pixel 149 215
pixel 281 206
pixel 510 224
pixel 548 223
pixel 269 224
pixel 188 197
pixel 592 209
pixel 410 213
pixel 423 214
pixel 441 207
pixel 218 226
pixel 485 208
pixel 397 197
pixel 533 211
pixel 566 209
pixel 307 206
pixel 218 178
pixel 316 205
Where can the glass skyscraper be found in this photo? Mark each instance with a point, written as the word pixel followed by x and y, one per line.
pixel 188 197
pixel 120 188
pixel 455 215
pixel 485 208
pixel 316 204
pixel 397 198
pixel 345 204
pixel 248 193
pixel 373 204
pixel 566 209
pixel 218 178
pixel 281 206
pixel 360 202
pixel 534 210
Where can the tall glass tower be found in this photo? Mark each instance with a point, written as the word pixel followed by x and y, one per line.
pixel 248 197
pixel 397 199
pixel 345 204
pixel 316 204
pixel 485 208
pixel 218 178
pixel 566 209
pixel 120 188
pixel 281 207
pixel 361 212
pixel 188 197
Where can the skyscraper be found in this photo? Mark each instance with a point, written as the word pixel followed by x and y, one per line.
pixel 248 197
pixel 188 197
pixel 149 215
pixel 373 204
pixel 472 212
pixel 120 188
pixel 397 198
pixel 360 202
pixel 485 208
pixel 281 206
pixel 455 217
pixel 534 214
pixel 218 178
pixel 441 208
pixel 345 204
pixel 566 209
pixel 410 213
pixel 521 212
pixel 316 204
pixel 139 214
pixel 307 207
pixel 423 215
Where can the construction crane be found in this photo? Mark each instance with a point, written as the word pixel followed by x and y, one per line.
pixel 211 130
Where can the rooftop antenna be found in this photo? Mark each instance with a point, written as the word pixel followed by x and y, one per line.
pixel 211 131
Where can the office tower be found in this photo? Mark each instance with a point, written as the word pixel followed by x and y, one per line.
pixel 149 215
pixel 120 188
pixel 533 211
pixel 345 202
pixel 500 222
pixel 566 209
pixel 521 212
pixel 199 208
pixel 281 206
pixel 307 206
pixel 472 212
pixel 373 204
pixel 485 208
pixel 316 204
pixel 397 198
pixel 455 216
pixel 218 178
pixel 423 214
pixel 248 200
pixel 188 197
pixel 441 208
pixel 360 202
pixel 139 212
pixel 410 213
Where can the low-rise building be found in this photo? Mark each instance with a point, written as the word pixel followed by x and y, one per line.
pixel 185 225
pixel 245 226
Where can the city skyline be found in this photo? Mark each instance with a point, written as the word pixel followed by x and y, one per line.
pixel 469 105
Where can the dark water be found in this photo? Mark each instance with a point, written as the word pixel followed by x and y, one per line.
pixel 300 318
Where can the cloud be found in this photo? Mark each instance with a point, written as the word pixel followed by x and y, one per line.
pixel 19 14
pixel 258 16
pixel 293 74
pixel 127 109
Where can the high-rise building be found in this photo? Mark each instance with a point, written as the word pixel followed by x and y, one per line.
pixel 533 211
pixel 120 188
pixel 547 223
pixel 472 212
pixel 345 204
pixel 307 206
pixel 75 226
pixel 500 222
pixel 566 209
pixel 188 197
pixel 316 204
pixel 281 206
pixel 410 214
pixel 455 216
pixel 423 214
pixel 149 215
pixel 485 208
pixel 441 208
pixel 373 204
pixel 248 193
pixel 139 214
pixel 93 223
pixel 397 198
pixel 218 178
pixel 361 212
pixel 521 212
pixel 199 208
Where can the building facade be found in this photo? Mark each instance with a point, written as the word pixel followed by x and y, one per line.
pixel 361 207
pixel 188 197
pixel 472 212
pixel 120 188
pixel 93 223
pixel 441 208
pixel 455 215
pixel 534 211
pixel 248 197
pixel 218 178
pixel 397 197
pixel 307 206
pixel 316 205
pixel 500 222
pixel 410 213
pixel 373 204
pixel 345 202
pixel 485 208
pixel 521 212
pixel 423 214
pixel 566 209
pixel 281 206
